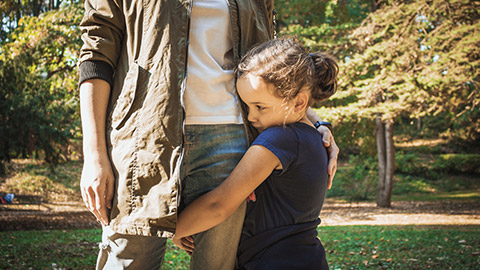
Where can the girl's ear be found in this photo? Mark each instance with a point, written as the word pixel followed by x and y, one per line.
pixel 301 101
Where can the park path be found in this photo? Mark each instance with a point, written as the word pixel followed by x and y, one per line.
pixel 73 215
pixel 335 213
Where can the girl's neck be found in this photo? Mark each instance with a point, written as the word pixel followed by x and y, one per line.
pixel 305 120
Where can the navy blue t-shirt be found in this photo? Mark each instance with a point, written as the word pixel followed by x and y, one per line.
pixel 280 227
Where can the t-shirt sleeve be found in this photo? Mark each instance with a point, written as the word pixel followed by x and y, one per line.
pixel 282 142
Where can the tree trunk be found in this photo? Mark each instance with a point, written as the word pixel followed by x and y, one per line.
pixel 3 170
pixel 373 6
pixel 381 151
pixel 386 161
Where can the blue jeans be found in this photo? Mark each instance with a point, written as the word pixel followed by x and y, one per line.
pixel 211 152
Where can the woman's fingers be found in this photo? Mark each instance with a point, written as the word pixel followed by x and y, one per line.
pixel 333 152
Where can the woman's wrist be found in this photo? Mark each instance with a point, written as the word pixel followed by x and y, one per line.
pixel 318 124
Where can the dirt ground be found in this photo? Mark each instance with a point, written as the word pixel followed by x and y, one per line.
pixel 337 213
pixel 73 215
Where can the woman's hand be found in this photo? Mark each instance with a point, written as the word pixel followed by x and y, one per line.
pixel 332 150
pixel 96 186
pixel 185 243
pixel 329 143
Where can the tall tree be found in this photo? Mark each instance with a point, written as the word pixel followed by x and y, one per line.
pixel 413 59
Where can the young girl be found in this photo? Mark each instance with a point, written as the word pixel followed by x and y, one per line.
pixel 286 165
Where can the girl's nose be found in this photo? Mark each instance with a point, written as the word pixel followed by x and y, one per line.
pixel 251 117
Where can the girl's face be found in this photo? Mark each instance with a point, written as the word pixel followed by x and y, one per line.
pixel 264 108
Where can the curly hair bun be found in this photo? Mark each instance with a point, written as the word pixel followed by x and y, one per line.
pixel 324 76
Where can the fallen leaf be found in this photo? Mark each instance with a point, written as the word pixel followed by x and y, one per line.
pixel 462 241
pixel 375 256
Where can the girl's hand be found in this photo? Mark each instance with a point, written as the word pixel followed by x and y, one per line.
pixel 332 150
pixel 185 243
pixel 252 197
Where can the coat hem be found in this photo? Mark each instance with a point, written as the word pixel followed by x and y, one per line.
pixel 141 230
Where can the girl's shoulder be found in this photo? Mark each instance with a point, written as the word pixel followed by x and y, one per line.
pixel 275 133
pixel 288 133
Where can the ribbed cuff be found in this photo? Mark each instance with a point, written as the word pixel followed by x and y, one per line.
pixel 95 70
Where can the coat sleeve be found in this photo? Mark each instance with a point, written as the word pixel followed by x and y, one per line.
pixel 103 29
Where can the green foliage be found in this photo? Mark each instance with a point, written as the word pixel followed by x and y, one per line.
pixel 353 135
pixel 12 11
pixel 415 173
pixel 313 12
pixel 416 59
pixel 303 12
pixel 355 181
pixel 435 173
pixel 321 25
pixel 409 184
pixel 453 163
pixel 38 91
pixel 411 163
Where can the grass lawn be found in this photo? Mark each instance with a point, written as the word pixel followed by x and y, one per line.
pixel 348 247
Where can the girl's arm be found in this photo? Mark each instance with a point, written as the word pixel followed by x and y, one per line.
pixel 217 205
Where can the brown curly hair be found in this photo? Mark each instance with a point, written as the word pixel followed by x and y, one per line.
pixel 286 64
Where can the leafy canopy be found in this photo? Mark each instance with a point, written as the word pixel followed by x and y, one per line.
pixel 38 91
pixel 414 59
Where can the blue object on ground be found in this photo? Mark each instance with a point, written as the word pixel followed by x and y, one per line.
pixel 9 197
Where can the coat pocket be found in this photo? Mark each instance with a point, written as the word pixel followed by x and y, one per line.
pixel 123 107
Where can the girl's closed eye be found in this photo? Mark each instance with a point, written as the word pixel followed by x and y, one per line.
pixel 260 108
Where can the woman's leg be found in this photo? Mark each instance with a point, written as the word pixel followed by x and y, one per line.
pixel 211 153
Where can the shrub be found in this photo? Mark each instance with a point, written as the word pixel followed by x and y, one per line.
pixel 356 180
pixel 454 163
